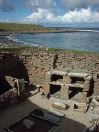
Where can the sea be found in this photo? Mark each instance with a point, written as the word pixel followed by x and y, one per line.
pixel 80 40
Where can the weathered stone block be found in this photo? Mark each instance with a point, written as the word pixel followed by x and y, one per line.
pixel 65 92
pixel 46 88
pixel 58 105
pixel 86 85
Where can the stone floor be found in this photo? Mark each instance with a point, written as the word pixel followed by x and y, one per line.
pixel 72 122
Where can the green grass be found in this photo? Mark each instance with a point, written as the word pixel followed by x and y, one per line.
pixel 29 28
pixel 31 49
pixel 14 27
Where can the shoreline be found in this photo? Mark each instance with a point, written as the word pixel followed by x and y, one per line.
pixel 7 33
pixel 38 31
pixel 6 42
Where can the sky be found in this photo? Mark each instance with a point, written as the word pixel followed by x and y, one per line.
pixel 64 13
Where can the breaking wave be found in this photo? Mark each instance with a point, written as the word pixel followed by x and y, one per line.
pixel 94 31
pixel 21 42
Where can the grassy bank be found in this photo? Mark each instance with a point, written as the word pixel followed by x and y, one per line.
pixel 14 27
pixel 30 49
pixel 29 28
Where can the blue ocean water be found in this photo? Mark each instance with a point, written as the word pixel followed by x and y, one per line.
pixel 84 40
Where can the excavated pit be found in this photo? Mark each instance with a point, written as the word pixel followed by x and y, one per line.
pixel 34 66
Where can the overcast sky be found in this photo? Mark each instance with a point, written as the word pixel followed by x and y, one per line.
pixel 51 12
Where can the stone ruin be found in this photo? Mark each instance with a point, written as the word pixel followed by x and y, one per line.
pixel 13 95
pixel 13 79
pixel 77 87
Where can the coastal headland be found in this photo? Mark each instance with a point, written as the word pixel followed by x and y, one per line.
pixel 13 28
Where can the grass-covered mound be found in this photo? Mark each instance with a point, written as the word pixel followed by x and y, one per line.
pixel 14 27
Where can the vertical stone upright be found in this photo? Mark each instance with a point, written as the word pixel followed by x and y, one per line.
pixel 87 86
pixel 48 77
pixel 66 79
pixel 87 83
pixel 64 92
pixel 46 88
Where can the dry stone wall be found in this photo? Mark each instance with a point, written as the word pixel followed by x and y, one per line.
pixel 39 62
